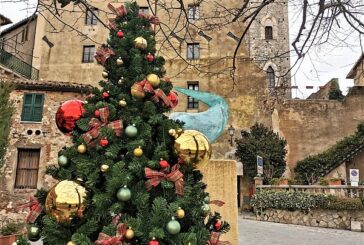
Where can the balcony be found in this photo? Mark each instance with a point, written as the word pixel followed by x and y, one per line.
pixel 18 66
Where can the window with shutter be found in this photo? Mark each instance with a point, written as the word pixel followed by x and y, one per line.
pixel 192 102
pixel 27 169
pixel 32 108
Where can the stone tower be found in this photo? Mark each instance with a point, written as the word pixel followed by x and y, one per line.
pixel 268 45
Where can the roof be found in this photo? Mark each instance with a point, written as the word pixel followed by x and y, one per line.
pixel 353 70
pixel 19 24
pixel 4 20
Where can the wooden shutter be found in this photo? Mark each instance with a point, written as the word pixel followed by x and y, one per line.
pixel 32 107
pixel 27 168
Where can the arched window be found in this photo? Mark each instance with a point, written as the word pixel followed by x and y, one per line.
pixel 271 77
pixel 268 30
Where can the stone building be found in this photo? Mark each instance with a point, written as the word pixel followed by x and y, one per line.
pixel 4 20
pixel 357 73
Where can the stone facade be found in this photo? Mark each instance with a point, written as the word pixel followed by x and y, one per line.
pixel 316 218
pixel 357 73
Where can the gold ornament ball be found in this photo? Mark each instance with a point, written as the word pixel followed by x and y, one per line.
pixel 71 243
pixel 66 201
pixel 129 234
pixel 136 93
pixel 154 80
pixel 105 74
pixel 119 61
pixel 140 43
pixel 172 132
pixel 104 168
pixel 193 146
pixel 81 149
pixel 180 213
pixel 138 152
pixel 122 103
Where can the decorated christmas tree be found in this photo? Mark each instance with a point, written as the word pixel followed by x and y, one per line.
pixel 131 175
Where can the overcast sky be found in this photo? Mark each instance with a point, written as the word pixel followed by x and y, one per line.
pixel 316 69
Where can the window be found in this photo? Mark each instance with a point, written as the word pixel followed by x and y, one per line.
pixel 91 16
pixel 193 51
pixel 88 54
pixel 271 77
pixel 269 32
pixel 32 108
pixel 192 102
pixel 193 12
pixel 27 168
pixel 24 34
pixel 143 10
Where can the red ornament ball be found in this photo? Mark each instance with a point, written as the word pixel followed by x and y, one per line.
pixel 163 163
pixel 68 114
pixel 105 95
pixel 150 57
pixel 120 34
pixel 97 113
pixel 173 97
pixel 218 224
pixel 153 242
pixel 104 142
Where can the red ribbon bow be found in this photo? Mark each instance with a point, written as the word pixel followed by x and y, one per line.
pixel 158 94
pixel 214 239
pixel 102 54
pixel 112 24
pixel 119 11
pixel 92 136
pixel 35 209
pixel 153 19
pixel 217 203
pixel 155 177
pixel 104 239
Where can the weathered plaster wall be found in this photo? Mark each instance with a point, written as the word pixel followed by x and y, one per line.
pixel 312 126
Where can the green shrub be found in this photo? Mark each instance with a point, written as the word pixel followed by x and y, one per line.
pixel 305 201
pixel 10 228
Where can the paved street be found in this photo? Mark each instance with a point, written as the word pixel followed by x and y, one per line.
pixel 266 233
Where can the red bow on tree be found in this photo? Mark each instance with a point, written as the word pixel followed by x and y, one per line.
pixel 35 209
pixel 153 19
pixel 104 239
pixel 158 94
pixel 119 11
pixel 217 203
pixel 112 24
pixel 102 54
pixel 155 177
pixel 92 136
pixel 214 239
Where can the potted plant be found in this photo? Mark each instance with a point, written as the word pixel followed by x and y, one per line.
pixel 8 233
pixel 323 181
pixel 334 181
pixel 284 181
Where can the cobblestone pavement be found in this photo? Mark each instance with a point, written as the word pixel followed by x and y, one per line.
pixel 253 232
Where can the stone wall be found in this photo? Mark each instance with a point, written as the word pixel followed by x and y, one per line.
pixel 220 177
pixel 312 126
pixel 317 218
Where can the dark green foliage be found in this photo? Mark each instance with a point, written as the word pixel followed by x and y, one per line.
pixel 290 200
pixel 10 228
pixel 263 142
pixel 147 212
pixel 21 240
pixel 6 109
pixel 310 169
pixel 336 94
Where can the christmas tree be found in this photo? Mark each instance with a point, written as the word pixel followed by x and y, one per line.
pixel 129 177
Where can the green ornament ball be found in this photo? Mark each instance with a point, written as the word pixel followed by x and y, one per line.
pixel 124 194
pixel 62 161
pixel 131 131
pixel 205 209
pixel 33 233
pixel 206 199
pixel 173 227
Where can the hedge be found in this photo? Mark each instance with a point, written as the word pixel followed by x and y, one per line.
pixel 310 169
pixel 305 201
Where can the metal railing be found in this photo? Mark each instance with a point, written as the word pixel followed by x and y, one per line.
pixel 17 65
pixel 337 190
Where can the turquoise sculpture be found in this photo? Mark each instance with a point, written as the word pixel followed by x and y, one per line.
pixel 211 122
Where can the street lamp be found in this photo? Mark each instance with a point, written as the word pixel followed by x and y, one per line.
pixel 231 131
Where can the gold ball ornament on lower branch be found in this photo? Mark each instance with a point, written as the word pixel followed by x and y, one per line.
pixel 138 152
pixel 119 61
pixel 71 243
pixel 129 234
pixel 81 149
pixel 122 103
pixel 136 92
pixel 154 80
pixel 140 43
pixel 66 201
pixel 180 213
pixel 104 168
pixel 193 146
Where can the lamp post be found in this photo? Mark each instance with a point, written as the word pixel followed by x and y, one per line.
pixel 231 131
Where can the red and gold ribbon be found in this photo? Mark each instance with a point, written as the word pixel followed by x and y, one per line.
pixel 158 94
pixel 102 54
pixel 155 178
pixel 35 209
pixel 119 11
pixel 92 136
pixel 153 19
pixel 104 239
